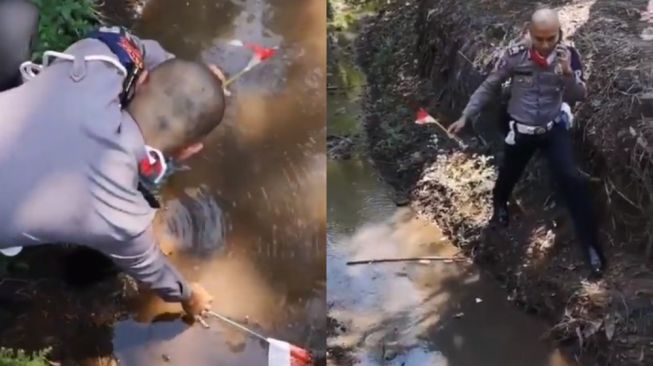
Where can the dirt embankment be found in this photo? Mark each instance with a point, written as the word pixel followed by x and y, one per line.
pixel 434 53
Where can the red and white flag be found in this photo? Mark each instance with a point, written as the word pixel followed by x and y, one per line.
pixel 282 353
pixel 423 117
pixel 260 53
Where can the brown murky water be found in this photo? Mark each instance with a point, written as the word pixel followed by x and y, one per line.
pixel 248 221
pixel 413 313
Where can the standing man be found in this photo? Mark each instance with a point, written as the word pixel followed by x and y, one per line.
pixel 545 75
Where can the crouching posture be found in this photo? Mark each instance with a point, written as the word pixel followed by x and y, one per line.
pixel 86 135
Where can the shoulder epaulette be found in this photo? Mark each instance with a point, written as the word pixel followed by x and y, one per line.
pixel 516 49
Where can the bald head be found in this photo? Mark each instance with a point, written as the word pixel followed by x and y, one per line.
pixel 544 30
pixel 545 17
pixel 179 103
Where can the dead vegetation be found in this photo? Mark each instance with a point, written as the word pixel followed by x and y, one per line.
pixel 456 180
pixel 617 118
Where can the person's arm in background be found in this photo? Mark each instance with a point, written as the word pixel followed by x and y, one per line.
pixel 141 258
pixel 575 89
pixel 19 23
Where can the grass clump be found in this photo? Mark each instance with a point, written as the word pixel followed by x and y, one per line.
pixel 63 22
pixel 9 357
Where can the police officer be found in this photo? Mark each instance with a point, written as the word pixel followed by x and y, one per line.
pixel 545 76
pixel 79 137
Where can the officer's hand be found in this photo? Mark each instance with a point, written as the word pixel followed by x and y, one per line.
pixel 564 59
pixel 199 301
pixel 216 70
pixel 458 126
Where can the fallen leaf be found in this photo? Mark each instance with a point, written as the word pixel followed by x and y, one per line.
pixel 609 325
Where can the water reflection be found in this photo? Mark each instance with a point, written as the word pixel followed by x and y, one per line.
pixel 414 313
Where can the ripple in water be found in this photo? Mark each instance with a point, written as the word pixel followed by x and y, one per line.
pixel 195 222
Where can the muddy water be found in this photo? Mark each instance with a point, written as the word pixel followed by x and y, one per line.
pixel 247 220
pixel 414 313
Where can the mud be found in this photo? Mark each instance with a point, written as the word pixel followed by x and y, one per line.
pixel 248 220
pixel 437 65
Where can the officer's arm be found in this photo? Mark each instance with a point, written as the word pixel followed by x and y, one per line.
pixel 575 89
pixel 142 259
pixel 489 88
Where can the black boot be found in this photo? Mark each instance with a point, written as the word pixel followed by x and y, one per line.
pixel 596 262
pixel 501 214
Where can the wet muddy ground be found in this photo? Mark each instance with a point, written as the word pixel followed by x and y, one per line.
pixel 248 220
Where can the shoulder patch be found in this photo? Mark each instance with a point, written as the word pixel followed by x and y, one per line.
pixel 517 49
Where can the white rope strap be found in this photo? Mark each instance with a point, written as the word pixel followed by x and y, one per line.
pixel 29 69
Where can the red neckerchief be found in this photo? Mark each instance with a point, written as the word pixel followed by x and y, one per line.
pixel 538 59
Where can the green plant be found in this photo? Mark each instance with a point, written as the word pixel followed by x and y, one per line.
pixel 9 357
pixel 62 22
pixel 345 14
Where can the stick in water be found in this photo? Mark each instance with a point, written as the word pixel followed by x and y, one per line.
pixel 409 259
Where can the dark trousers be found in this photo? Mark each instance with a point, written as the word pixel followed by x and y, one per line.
pixel 556 148
pixel 18 33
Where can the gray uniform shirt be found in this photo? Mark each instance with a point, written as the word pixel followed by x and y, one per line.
pixel 68 157
pixel 536 93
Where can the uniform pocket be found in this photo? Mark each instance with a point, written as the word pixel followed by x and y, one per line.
pixel 552 79
pixel 523 81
